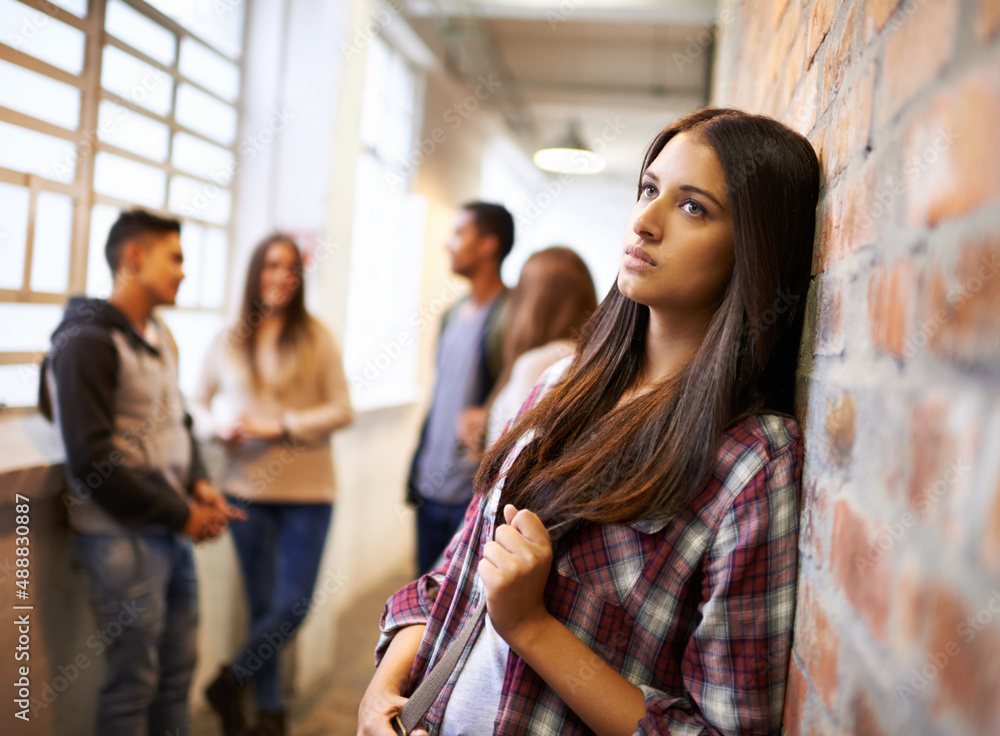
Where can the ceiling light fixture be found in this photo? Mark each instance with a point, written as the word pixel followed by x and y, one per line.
pixel 569 155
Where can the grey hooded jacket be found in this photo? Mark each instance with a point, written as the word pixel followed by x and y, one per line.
pixel 131 459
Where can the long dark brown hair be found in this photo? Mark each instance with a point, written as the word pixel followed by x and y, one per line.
pixel 553 299
pixel 594 462
pixel 255 307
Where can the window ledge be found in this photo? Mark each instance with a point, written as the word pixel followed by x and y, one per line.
pixel 31 457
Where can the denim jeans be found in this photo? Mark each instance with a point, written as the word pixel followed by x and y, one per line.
pixel 279 548
pixel 145 595
pixel 436 525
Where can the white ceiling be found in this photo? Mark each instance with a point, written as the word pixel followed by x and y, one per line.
pixel 610 65
pixel 630 11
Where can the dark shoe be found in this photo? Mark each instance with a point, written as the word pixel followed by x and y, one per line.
pixel 224 695
pixel 270 723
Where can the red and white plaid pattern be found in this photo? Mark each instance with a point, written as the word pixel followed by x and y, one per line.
pixel 696 611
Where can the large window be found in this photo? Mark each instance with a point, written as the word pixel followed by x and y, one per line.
pixel 106 105
pixel 383 301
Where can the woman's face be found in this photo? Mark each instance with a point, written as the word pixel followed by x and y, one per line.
pixel 678 253
pixel 278 280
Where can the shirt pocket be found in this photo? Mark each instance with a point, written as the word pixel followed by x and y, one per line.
pixel 607 559
pixel 597 569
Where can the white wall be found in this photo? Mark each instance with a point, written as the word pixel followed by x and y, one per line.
pixel 588 214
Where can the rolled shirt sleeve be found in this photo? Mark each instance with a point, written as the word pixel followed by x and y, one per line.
pixel 411 605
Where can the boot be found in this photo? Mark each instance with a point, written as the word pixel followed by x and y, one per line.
pixel 270 723
pixel 224 695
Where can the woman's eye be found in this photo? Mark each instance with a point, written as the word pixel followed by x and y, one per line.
pixel 649 190
pixel 692 207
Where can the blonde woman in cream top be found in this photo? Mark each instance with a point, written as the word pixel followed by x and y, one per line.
pixel 280 376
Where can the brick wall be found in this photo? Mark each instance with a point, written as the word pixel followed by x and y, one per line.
pixel 898 619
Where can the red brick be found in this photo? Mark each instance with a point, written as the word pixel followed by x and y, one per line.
pixel 945 431
pixel 839 53
pixel 916 53
pixel 866 718
pixel 828 226
pixel 909 606
pixel 814 512
pixel 818 645
pixel 930 445
pixel 987 19
pixel 840 415
pixel 963 314
pixel 796 691
pixel 829 320
pixel 991 533
pixel 969 650
pixel 819 26
pixel 782 42
pixel 862 570
pixel 780 6
pixel 877 12
pixel 853 120
pixel 801 112
pixel 892 295
pixel 952 152
pixel 867 203
pixel 887 440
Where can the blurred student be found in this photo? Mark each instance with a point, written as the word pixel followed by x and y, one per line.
pixel 281 376
pixel 553 299
pixel 469 361
pixel 139 493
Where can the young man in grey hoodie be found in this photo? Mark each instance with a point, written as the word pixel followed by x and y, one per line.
pixel 138 491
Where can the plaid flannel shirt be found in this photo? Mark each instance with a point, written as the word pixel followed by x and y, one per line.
pixel 696 611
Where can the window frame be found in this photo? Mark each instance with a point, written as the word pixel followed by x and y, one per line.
pixel 85 139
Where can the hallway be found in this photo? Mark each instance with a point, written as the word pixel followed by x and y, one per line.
pixel 330 709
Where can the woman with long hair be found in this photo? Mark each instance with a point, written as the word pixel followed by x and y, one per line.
pixel 282 380
pixel 546 311
pixel 634 537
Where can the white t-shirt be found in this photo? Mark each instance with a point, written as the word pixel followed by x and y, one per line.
pixel 473 705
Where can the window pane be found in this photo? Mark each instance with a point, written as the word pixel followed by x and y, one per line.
pixel 39 96
pixel 210 70
pixel 194 332
pixel 136 81
pixel 14 203
pixel 205 114
pixel 201 158
pixel 37 153
pixel 76 7
pixel 219 22
pixel 127 129
pixel 134 182
pixel 27 327
pixel 200 200
pixel 53 232
pixel 19 385
pixel 191 240
pixel 372 116
pixel 42 36
pixel 401 83
pixel 214 257
pixel 140 32
pixel 102 217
